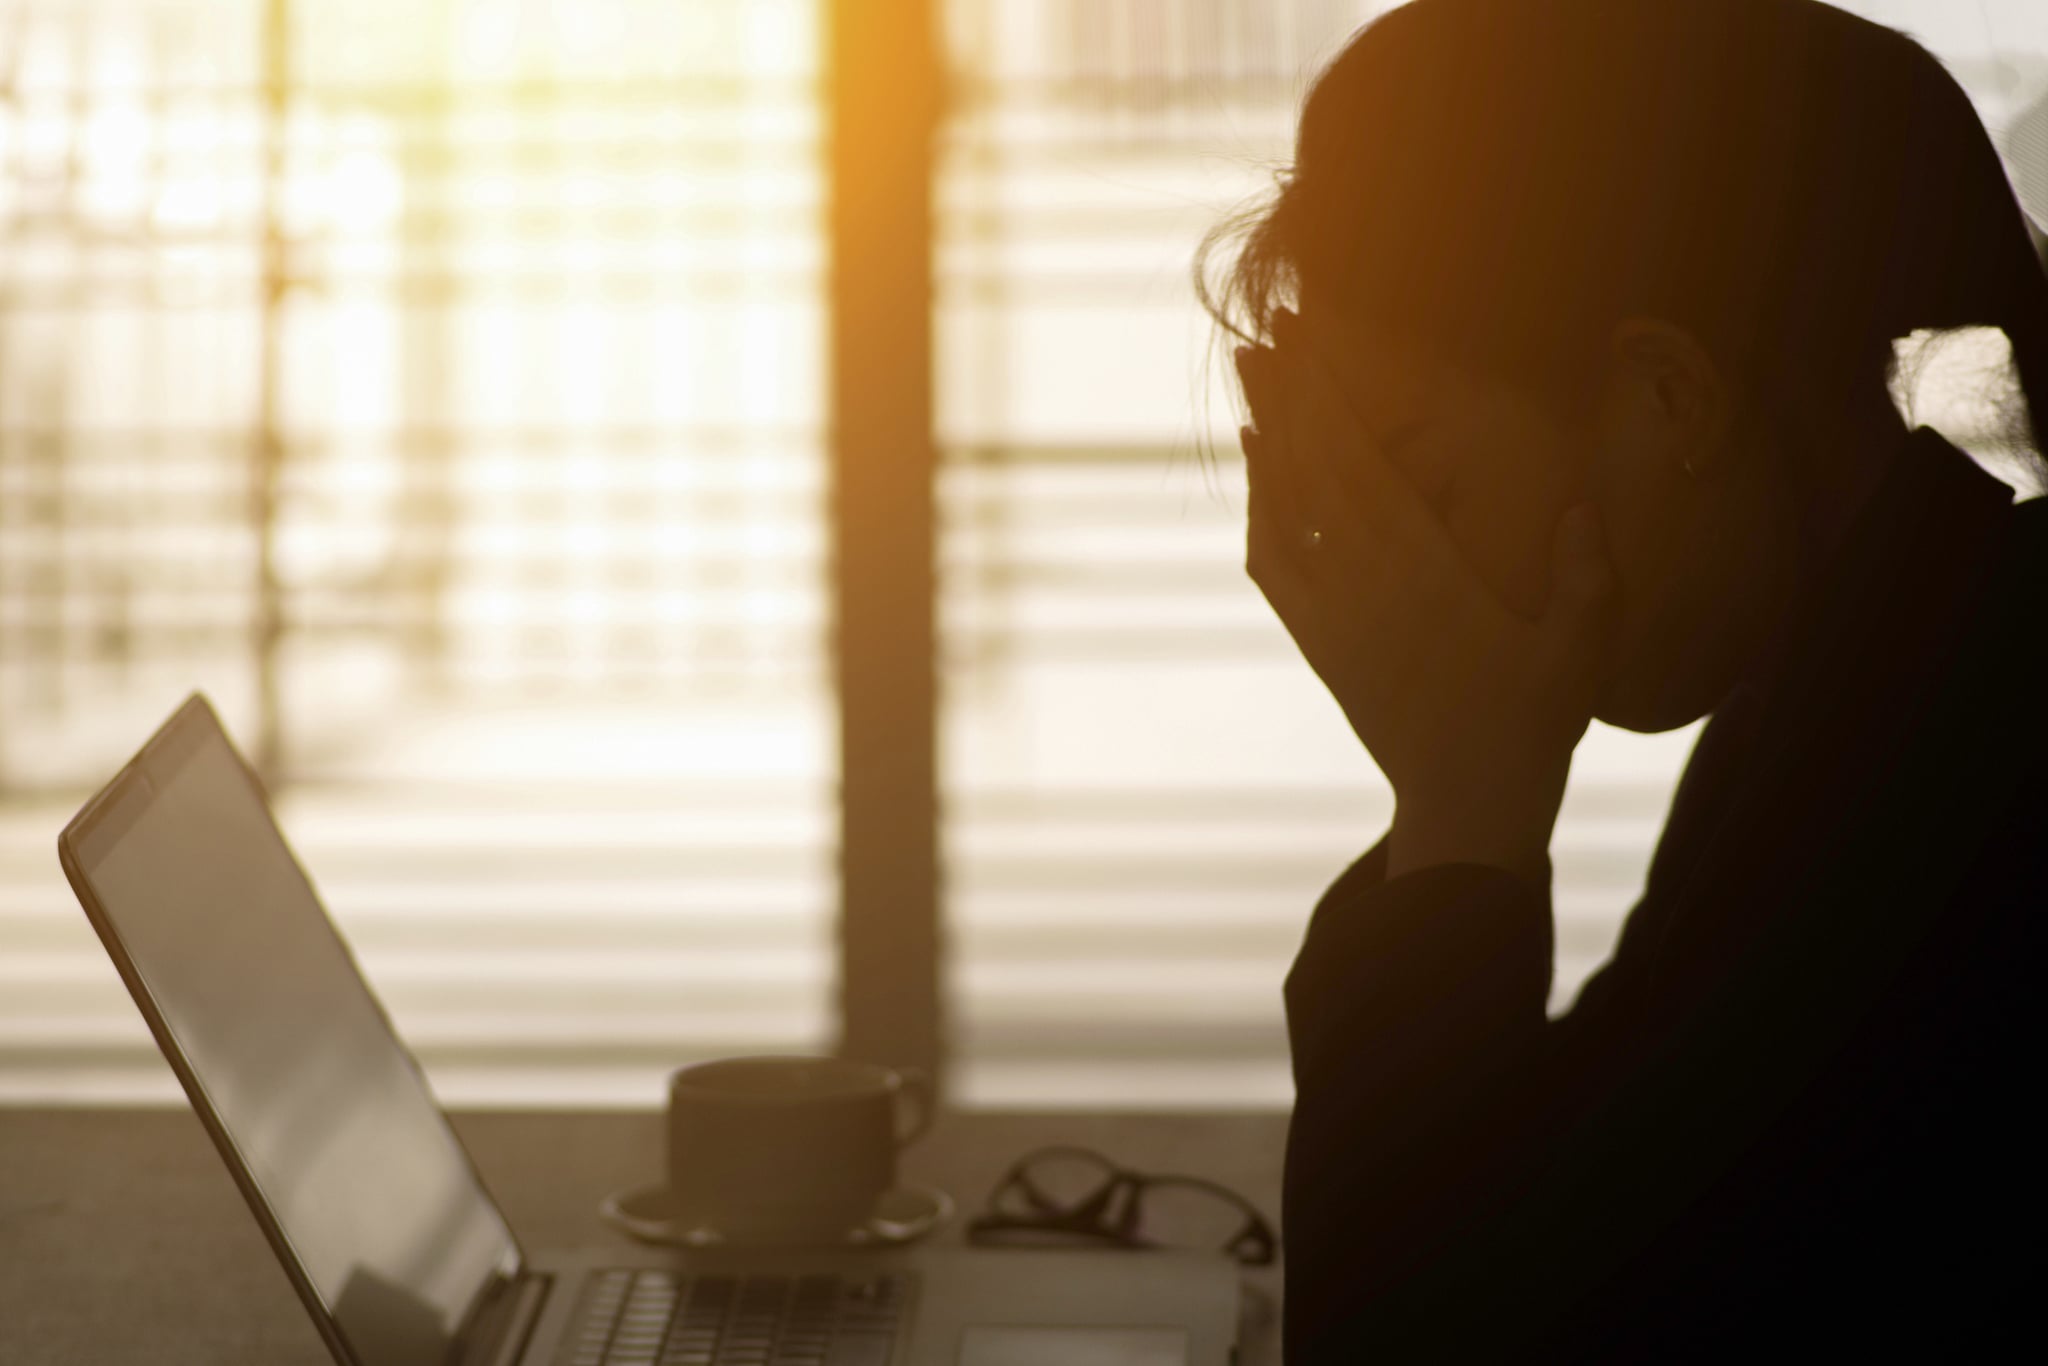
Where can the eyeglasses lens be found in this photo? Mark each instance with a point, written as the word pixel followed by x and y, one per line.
pixel 1190 1217
pixel 1059 1182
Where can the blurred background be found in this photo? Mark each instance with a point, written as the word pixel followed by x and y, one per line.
pixel 444 387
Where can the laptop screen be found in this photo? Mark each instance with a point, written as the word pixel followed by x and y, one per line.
pixel 332 1120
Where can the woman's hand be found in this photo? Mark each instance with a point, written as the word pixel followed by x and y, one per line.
pixel 1471 711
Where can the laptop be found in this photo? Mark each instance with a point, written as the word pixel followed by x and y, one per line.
pixel 382 1222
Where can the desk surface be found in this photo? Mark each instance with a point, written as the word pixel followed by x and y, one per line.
pixel 123 1239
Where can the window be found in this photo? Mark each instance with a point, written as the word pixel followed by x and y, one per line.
pixel 444 385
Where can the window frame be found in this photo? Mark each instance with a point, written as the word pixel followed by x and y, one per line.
pixel 882 71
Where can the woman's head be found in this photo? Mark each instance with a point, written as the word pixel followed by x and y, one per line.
pixel 1655 253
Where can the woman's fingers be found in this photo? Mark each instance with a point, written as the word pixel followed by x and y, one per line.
pixel 1262 480
pixel 1254 364
pixel 1272 526
pixel 1271 492
pixel 1321 434
pixel 1337 462
pixel 1273 549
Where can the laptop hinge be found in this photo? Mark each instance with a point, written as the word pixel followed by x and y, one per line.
pixel 508 1324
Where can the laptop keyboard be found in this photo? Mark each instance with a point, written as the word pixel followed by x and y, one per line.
pixel 670 1318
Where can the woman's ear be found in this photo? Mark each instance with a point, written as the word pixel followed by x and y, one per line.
pixel 1665 397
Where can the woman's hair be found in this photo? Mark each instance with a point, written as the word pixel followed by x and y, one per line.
pixel 1501 181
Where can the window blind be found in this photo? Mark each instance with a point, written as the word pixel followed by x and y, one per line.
pixel 438 386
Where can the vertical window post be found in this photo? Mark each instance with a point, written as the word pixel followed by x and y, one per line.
pixel 269 453
pixel 882 80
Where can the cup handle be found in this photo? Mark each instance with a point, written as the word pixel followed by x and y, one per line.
pixel 917 1087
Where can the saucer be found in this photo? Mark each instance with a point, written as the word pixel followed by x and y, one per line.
pixel 902 1215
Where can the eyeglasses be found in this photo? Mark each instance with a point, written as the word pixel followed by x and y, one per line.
pixel 1076 1195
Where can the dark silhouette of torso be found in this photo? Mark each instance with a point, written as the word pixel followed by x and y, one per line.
pixel 1790 1117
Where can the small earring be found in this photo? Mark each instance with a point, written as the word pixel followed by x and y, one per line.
pixel 1685 463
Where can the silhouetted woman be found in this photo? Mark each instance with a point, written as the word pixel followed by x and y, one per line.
pixel 1569 340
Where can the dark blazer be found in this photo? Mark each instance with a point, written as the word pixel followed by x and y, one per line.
pixel 1792 1116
